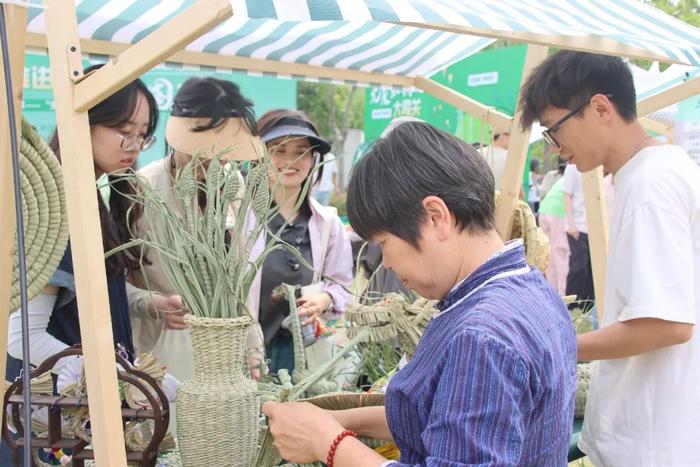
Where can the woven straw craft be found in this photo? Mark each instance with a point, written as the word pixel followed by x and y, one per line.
pixel 583 372
pixel 217 420
pixel 536 242
pixel 44 209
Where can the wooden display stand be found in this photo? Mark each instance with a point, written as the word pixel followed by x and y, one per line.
pixel 159 413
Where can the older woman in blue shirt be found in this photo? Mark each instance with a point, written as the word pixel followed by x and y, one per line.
pixel 493 379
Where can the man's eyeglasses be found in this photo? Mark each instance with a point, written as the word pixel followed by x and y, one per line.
pixel 135 142
pixel 548 134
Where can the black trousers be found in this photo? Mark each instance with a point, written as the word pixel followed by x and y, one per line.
pixel 579 282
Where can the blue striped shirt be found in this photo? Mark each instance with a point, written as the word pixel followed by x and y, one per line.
pixel 493 379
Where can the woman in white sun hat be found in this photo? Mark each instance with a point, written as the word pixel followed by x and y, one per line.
pixel 210 117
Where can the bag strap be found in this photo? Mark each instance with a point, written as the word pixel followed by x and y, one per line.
pixel 325 239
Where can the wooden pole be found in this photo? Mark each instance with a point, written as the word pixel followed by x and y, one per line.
pixel 597 222
pixel 16 22
pixel 241 63
pixel 86 238
pixel 517 153
pixel 151 50
pixel 464 103
pixel 657 127
pixel 669 96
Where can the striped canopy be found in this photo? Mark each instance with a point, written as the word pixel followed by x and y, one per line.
pixel 361 45
pixel 398 37
pixel 628 27
pixel 672 77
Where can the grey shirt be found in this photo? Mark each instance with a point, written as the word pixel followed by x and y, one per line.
pixel 281 266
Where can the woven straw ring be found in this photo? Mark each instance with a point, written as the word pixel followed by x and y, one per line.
pixel 44 209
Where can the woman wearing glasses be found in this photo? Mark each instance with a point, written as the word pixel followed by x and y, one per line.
pixel 210 117
pixel 120 127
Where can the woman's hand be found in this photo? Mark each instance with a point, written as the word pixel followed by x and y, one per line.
pixel 311 307
pixel 303 433
pixel 171 310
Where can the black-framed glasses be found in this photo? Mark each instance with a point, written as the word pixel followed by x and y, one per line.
pixel 132 142
pixel 548 134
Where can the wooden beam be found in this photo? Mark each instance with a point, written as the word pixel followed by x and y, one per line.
pixel 669 96
pixel 467 104
pixel 151 50
pixel 241 63
pixel 597 221
pixel 16 22
pixel 86 238
pixel 584 43
pixel 289 69
pixel 517 153
pixel 658 127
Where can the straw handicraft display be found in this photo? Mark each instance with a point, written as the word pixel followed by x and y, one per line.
pixel 207 259
pixel 319 381
pixel 583 378
pixel 537 248
pixel 45 217
pixel 394 326
pixel 204 257
pixel 217 418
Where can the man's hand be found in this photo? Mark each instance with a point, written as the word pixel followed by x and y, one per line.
pixel 633 337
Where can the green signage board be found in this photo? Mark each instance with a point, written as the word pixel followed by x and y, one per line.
pixel 492 77
pixel 164 82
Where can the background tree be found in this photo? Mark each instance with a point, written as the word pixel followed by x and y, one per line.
pixel 334 108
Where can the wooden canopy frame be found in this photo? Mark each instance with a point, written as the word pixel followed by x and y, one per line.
pixel 75 94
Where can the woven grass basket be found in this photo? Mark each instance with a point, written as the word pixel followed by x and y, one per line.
pixel 537 249
pixel 217 419
pixel 44 209
pixel 583 377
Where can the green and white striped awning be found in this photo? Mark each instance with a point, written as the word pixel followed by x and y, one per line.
pixel 614 26
pixel 398 37
pixel 668 80
pixel 361 45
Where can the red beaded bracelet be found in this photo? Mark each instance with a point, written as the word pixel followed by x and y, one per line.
pixel 334 445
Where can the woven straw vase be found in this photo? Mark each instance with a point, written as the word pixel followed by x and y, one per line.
pixel 218 409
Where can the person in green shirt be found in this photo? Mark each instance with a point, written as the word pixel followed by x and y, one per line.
pixel 552 219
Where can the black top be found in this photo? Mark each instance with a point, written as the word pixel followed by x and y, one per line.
pixel 281 266
pixel 64 324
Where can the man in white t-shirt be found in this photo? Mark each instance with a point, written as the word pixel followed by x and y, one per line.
pixel 496 154
pixel 328 184
pixel 643 405
pixel 579 282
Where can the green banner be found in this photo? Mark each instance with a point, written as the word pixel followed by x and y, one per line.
pixel 492 77
pixel 164 82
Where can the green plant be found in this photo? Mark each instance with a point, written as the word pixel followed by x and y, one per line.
pixel 339 201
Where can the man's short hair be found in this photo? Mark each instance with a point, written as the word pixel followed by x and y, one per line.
pixel 568 79
pixel 412 162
